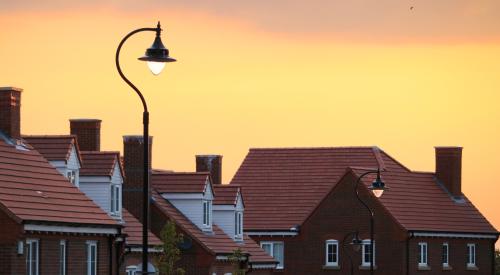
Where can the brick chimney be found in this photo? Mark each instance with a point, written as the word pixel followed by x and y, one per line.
pixel 87 132
pixel 211 164
pixel 133 166
pixel 10 111
pixel 449 169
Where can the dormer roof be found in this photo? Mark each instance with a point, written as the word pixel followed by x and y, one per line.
pixel 227 194
pixel 180 182
pixel 54 147
pixel 100 163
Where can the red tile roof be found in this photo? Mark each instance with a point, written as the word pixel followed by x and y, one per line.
pixel 226 194
pixel 99 163
pixel 283 186
pixel 419 203
pixel 133 229
pixel 53 147
pixel 179 182
pixel 217 242
pixel 32 190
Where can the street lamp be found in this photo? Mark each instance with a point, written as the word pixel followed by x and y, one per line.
pixel 378 188
pixel 356 243
pixel 156 56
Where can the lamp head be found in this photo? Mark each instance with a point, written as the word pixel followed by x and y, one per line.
pixel 157 55
pixel 378 186
pixel 356 242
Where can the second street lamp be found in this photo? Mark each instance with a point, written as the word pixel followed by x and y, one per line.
pixel 156 56
pixel 378 188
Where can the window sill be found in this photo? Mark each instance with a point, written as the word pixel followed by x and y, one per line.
pixel 367 267
pixel 331 267
pixel 424 267
pixel 472 267
pixel 447 267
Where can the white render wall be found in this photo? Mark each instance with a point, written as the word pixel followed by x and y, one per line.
pixel 191 205
pixel 225 217
pixel 98 188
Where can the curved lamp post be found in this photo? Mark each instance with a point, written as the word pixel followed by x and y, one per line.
pixel 356 243
pixel 156 56
pixel 378 188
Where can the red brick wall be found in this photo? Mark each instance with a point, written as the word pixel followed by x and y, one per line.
pixel 457 256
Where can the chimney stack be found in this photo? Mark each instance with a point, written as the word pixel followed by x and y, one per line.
pixel 10 111
pixel 449 169
pixel 211 164
pixel 87 132
pixel 133 166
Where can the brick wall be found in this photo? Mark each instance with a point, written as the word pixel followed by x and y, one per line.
pixel 88 133
pixel 457 256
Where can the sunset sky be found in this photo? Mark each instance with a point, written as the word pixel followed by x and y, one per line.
pixel 269 74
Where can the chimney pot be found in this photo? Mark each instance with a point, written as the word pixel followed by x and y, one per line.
pixel 211 164
pixel 87 132
pixel 449 169
pixel 10 111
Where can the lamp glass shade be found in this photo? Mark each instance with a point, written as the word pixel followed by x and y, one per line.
pixel 156 67
pixel 378 192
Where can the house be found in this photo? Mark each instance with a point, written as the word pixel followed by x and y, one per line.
pixel 98 174
pixel 301 207
pixel 190 200
pixel 48 226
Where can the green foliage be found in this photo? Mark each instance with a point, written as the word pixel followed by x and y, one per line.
pixel 171 253
pixel 497 262
pixel 236 259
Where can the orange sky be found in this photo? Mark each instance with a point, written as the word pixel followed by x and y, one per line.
pixel 402 80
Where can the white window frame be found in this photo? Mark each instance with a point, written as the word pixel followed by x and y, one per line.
pixel 207 213
pixel 92 245
pixel 471 255
pixel 71 176
pixel 336 252
pixel 423 254
pixel 131 270
pixel 366 243
pixel 31 251
pixel 115 208
pixel 63 257
pixel 445 261
pixel 238 226
pixel 281 263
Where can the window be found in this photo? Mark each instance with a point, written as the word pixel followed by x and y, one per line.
pixel 207 210
pixel 32 257
pixel 238 220
pixel 332 253
pixel 367 252
pixel 91 258
pixel 62 257
pixel 131 270
pixel 471 255
pixel 445 260
pixel 71 175
pixel 422 254
pixel 115 200
pixel 275 249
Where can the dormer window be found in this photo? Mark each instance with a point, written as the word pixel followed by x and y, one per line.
pixel 207 213
pixel 115 200
pixel 238 226
pixel 71 176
